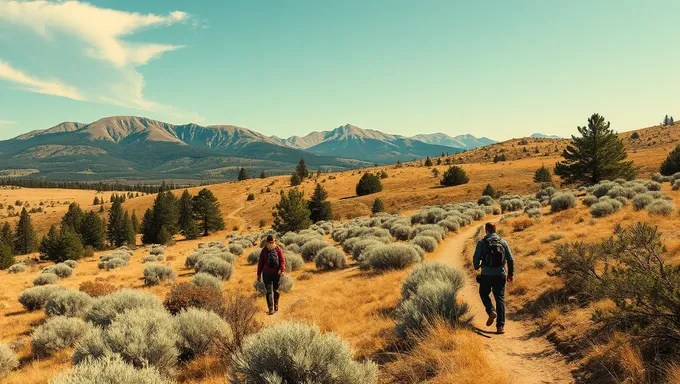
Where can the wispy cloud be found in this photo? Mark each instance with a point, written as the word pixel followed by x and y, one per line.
pixel 33 84
pixel 101 31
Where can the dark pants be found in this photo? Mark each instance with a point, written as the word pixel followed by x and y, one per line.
pixel 271 284
pixel 497 285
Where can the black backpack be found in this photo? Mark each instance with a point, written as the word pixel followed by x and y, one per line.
pixel 495 253
pixel 273 258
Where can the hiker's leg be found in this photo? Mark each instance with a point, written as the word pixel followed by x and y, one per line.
pixel 269 287
pixel 275 286
pixel 484 292
pixel 499 295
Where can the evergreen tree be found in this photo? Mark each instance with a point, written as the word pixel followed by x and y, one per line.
pixel 378 206
pixel 164 216
pixel 146 223
pixel 93 231
pixel 666 120
pixel 6 256
pixel 439 161
pixel 368 184
pixel 61 245
pixel 73 217
pixel 7 236
pixel 500 157
pixel 490 191
pixel 292 212
pixel 670 121
pixel 295 180
pixel 242 174
pixel 116 230
pixel 319 208
pixel 301 170
pixel 635 136
pixel 263 175
pixel 187 223
pixel 135 222
pixel 597 155
pixel 435 173
pixel 207 212
pixel 101 208
pixel 542 175
pixel 428 162
pixel 454 176
pixel 129 230
pixel 25 240
pixel 398 164
pixel 96 201
pixel 671 165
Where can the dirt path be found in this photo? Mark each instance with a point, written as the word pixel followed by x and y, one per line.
pixel 232 215
pixel 528 359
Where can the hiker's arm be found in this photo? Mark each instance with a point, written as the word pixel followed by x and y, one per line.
pixel 260 264
pixel 510 259
pixel 477 257
pixel 282 261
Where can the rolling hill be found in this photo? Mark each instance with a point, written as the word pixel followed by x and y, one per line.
pixel 461 141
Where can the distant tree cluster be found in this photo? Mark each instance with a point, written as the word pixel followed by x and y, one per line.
pixel 668 120
pixel 500 157
pixel 18 241
pixel 671 165
pixel 99 186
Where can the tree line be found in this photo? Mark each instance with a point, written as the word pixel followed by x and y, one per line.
pixel 97 186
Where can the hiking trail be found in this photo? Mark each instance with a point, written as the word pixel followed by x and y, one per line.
pixel 527 359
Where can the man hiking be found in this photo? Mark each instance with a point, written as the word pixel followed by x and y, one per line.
pixel 270 267
pixel 492 254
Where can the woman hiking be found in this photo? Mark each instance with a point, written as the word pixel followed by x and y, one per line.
pixel 270 267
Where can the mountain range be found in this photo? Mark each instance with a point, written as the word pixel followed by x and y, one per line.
pixel 137 148
pixel 542 136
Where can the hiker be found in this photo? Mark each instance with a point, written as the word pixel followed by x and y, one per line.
pixel 491 254
pixel 270 267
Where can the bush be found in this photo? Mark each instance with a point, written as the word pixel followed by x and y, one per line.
pixel 106 308
pixel 236 249
pixel 62 270
pixel 546 193
pixel 69 303
pixel 521 224
pixel 201 332
pixel 157 250
pixel 96 289
pixel 207 281
pixel 16 268
pixel 434 300
pixel 45 279
pixel 661 207
pixel 216 267
pixel 36 297
pixel 152 258
pixel 562 201
pixel 155 273
pixel 604 208
pixel 589 200
pixel 286 283
pixel 552 237
pixel 56 334
pixel 368 184
pixel 253 257
pixel 188 295
pixel 8 361
pixel 428 243
pixel 454 176
pixel 390 256
pixel 71 263
pixel 293 261
pixel 511 205
pixel 653 186
pixel 298 353
pixel 330 258
pixel 540 263
pixel 363 245
pixel 310 249
pixel 114 261
pixel 431 271
pixel 111 369
pixel 485 200
pixel 642 200
pixel 676 185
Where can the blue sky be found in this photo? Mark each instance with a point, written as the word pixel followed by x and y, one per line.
pixel 500 69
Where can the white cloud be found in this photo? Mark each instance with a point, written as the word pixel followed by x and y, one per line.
pixel 33 84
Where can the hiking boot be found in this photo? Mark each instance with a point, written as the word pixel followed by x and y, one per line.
pixel 500 330
pixel 492 318
pixel 271 311
pixel 276 302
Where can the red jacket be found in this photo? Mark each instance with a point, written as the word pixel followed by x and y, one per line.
pixel 262 263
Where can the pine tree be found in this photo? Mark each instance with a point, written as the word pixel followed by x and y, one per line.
pixel 146 224
pixel 671 165
pixel 6 256
pixel 93 231
pixel 263 175
pixel 542 175
pixel 428 162
pixel 116 229
pixel 242 174
pixel 320 209
pixel 439 161
pixel 61 245
pixel 597 155
pixel 435 173
pixel 670 121
pixel 490 191
pixel 295 180
pixel 73 217
pixel 207 212
pixel 25 240
pixel 135 222
pixel 129 230
pixel 398 164
pixel 301 170
pixel 377 206
pixel 164 217
pixel 187 223
pixel 96 201
pixel 101 208
pixel 292 212
pixel 7 236
pixel 368 184
pixel 454 176
pixel 666 120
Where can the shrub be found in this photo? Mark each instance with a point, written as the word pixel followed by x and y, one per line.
pixel 676 185
pixel 431 271
pixel 434 300
pixel 298 353
pixel 45 279
pixel 522 224
pixel 111 369
pixel 152 258
pixel 310 249
pixel 454 176
pixel 546 193
pixel 56 334
pixel 653 186
pixel 330 258
pixel 368 184
pixel 552 237
pixel 62 270
pixel 201 332
pixel 621 191
pixel 642 200
pixel 511 205
pixel 562 201
pixel 8 361
pixel 71 263
pixel 428 243
pixel 363 245
pixel 400 232
pixel 216 267
pixel 36 297
pixel 207 281
pixel 188 295
pixel 69 303
pixel 589 200
pixel 157 250
pixel 661 207
pixel 485 200
pixel 155 273
pixel 286 283
pixel 390 256
pixel 253 257
pixel 236 249
pixel 16 268
pixel 293 261
pixel 106 308
pixel 96 289
pixel 540 263
pixel 621 200
pixel 110 263
pixel 293 248
pixel 603 208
